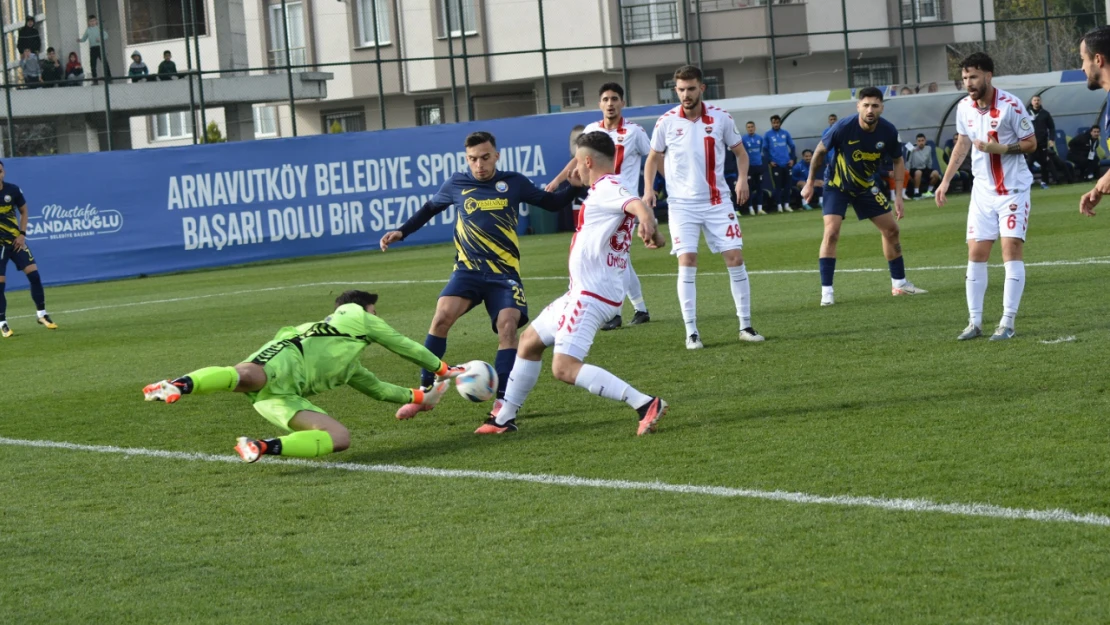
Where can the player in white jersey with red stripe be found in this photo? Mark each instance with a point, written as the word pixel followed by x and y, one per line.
pixel 998 131
pixel 598 261
pixel 632 146
pixel 691 140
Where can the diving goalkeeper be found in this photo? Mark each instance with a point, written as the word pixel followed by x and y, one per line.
pixel 303 361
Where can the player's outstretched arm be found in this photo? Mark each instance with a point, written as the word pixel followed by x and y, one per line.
pixel 563 175
pixel 551 202
pixel 439 203
pixel 380 332
pixel 959 153
pixel 815 163
pixel 368 384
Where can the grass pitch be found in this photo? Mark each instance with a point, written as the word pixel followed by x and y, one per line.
pixel 872 397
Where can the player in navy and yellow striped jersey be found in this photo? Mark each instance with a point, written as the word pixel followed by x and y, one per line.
pixel 487 252
pixel 861 142
pixel 13 246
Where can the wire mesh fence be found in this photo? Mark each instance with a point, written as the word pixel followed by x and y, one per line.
pixel 308 68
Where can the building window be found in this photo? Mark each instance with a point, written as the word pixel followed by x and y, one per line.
pixel 344 121
pixel 159 20
pixel 429 112
pixel 573 95
pixel 873 73
pixel 171 126
pixel 367 34
pixel 298 55
pixel 265 121
pixel 714 86
pixel 649 20
pixel 923 10
pixel 450 20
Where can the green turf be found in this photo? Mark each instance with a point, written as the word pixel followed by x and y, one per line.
pixel 872 397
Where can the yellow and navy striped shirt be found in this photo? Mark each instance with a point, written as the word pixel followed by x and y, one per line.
pixel 11 198
pixel 860 152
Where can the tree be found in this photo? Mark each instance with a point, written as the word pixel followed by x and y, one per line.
pixel 212 134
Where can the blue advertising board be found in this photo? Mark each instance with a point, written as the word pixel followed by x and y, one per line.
pixel 118 214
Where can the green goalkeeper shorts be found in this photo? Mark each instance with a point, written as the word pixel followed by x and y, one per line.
pixel 280 399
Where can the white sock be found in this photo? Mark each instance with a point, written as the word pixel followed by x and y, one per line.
pixel 826 290
pixel 930 188
pixel 976 287
pixel 741 294
pixel 1011 292
pixel 688 298
pixel 892 196
pixel 522 379
pixel 898 283
pixel 42 313
pixel 600 382
pixel 635 292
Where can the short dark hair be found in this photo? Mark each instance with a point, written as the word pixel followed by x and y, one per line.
pixel 362 298
pixel 165 52
pixel 611 86
pixel 30 18
pixel 749 122
pixel 776 116
pixel 688 72
pixel 1098 42
pixel 597 141
pixel 834 115
pixel 480 137
pixel 807 151
pixel 50 49
pixel 91 16
pixel 980 61
pixel 920 135
pixel 870 92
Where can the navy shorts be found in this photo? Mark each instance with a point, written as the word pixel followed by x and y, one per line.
pixel 868 204
pixel 22 259
pixel 497 291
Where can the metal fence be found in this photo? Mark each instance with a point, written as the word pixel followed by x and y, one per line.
pixel 679 26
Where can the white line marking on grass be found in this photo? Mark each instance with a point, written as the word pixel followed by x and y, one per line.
pixel 285 287
pixel 903 505
pixel 1063 339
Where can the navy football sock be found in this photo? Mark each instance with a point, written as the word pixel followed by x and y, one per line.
pixel 36 290
pixel 437 346
pixel 3 302
pixel 897 269
pixel 828 268
pixel 504 366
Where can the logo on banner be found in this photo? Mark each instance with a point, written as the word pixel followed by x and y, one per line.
pixel 57 222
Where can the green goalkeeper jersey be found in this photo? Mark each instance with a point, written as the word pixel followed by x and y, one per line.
pixel 329 351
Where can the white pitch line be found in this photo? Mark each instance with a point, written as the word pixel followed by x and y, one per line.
pixel 901 505
pixel 1062 339
pixel 758 272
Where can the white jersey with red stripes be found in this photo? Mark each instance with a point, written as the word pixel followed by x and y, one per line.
pixel 694 165
pixel 632 143
pixel 599 249
pixel 1006 121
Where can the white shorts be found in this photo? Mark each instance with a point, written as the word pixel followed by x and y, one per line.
pixel 992 216
pixel 571 322
pixel 718 223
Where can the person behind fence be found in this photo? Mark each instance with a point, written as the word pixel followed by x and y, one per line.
pixel 51 68
pixel 138 69
pixel 920 165
pixel 800 173
pixel 167 69
pixel 75 74
pixel 96 38
pixel 1083 152
pixel 1045 130
pixel 32 69
pixel 29 38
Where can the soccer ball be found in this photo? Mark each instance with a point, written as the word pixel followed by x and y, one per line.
pixel 478 381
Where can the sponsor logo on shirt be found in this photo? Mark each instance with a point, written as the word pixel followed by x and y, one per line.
pixel 879 145
pixel 492 204
pixel 501 186
pixel 860 155
pixel 470 190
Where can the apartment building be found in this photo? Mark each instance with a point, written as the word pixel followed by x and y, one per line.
pixel 495 46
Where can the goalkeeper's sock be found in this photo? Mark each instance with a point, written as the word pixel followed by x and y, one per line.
pixel 306 444
pixel 438 346
pixel 503 364
pixel 208 380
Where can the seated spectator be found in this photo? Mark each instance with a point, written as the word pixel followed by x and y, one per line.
pixel 138 69
pixel 799 174
pixel 1083 152
pixel 32 69
pixel 167 69
pixel 51 69
pixel 29 38
pixel 963 172
pixel 75 74
pixel 885 173
pixel 920 165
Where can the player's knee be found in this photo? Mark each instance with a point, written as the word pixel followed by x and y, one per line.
pixel 565 370
pixel 531 345
pixel 832 235
pixel 441 324
pixel 340 437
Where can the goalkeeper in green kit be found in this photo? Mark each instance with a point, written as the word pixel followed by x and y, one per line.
pixel 306 360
